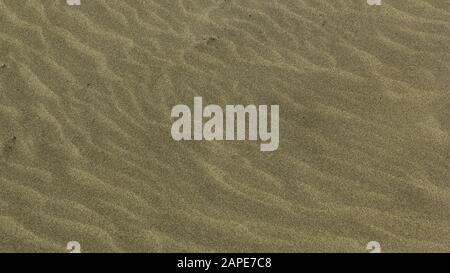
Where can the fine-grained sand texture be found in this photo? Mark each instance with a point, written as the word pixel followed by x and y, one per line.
pixel 86 153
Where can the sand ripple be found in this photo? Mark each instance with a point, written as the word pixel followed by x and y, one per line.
pixel 86 152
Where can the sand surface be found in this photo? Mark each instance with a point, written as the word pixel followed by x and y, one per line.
pixel 86 153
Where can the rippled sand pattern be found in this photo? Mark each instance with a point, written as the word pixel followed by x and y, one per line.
pixel 86 153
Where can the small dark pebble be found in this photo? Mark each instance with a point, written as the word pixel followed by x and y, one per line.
pixel 3 65
pixel 11 143
pixel 211 40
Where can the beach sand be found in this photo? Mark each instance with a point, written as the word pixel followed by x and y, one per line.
pixel 85 147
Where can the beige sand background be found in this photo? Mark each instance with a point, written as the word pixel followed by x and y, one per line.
pixel 86 152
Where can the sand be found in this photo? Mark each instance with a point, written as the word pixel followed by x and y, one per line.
pixel 86 152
